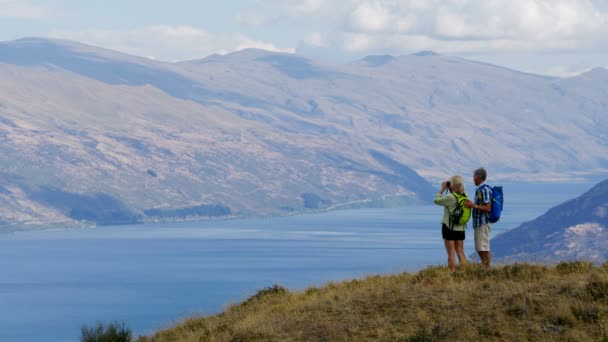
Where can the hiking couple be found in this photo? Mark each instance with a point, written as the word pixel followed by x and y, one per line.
pixel 457 210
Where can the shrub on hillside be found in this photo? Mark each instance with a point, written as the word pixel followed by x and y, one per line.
pixel 275 291
pixel 114 332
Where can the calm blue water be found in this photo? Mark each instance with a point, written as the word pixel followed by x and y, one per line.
pixel 151 276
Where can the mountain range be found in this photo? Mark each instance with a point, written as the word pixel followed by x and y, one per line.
pixel 573 230
pixel 93 136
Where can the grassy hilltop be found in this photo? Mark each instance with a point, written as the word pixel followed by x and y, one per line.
pixel 518 302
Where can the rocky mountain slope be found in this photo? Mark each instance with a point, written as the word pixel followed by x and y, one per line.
pixel 91 135
pixel 574 230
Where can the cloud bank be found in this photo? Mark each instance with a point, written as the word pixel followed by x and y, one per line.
pixel 347 29
pixel 462 26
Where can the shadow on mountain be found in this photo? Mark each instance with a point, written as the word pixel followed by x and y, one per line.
pixel 405 176
pixel 32 51
pixel 295 67
pixel 102 209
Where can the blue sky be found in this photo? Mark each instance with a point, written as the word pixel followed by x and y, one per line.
pixel 558 37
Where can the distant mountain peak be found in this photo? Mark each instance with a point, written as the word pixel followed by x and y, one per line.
pixel 425 53
pixel 41 48
pixel 211 58
pixel 253 53
pixel 37 42
pixel 595 73
pixel 378 60
pixel 26 40
pixel 248 54
pixel 43 42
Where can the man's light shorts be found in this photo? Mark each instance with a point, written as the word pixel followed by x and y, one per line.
pixel 482 238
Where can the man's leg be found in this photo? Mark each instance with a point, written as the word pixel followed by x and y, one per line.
pixel 485 258
pixel 482 244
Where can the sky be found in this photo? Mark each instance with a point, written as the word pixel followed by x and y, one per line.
pixel 551 37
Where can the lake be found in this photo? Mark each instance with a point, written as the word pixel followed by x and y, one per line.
pixel 151 276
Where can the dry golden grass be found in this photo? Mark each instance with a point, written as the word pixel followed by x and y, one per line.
pixel 521 302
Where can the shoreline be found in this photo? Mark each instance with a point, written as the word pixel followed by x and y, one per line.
pixel 68 225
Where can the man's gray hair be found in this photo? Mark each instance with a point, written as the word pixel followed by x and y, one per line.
pixel 481 173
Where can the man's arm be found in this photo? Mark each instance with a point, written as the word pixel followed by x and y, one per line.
pixel 486 207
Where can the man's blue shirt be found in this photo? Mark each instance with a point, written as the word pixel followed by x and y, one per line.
pixel 483 195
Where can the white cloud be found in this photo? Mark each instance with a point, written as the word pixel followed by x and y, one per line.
pixel 371 17
pixel 461 26
pixel 169 43
pixel 316 40
pixel 247 43
pixel 536 19
pixel 302 6
pixel 23 10
pixel 381 17
pixel 251 18
pixel 399 44
pixel 357 42
pixel 308 6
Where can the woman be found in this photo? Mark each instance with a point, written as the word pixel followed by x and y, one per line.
pixel 453 234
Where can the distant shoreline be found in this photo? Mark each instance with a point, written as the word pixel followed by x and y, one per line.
pixel 337 207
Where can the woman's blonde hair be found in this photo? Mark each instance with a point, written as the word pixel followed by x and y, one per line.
pixel 457 184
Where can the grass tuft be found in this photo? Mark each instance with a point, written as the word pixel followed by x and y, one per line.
pixel 597 286
pixel 577 267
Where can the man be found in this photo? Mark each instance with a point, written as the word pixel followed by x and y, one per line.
pixel 480 210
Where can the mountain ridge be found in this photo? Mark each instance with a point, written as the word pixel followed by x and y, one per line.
pixel 265 133
pixel 575 229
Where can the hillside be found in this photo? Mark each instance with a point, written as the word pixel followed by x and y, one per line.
pixel 519 302
pixel 92 136
pixel 573 230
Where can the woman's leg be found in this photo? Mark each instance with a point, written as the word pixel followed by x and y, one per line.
pixel 451 250
pixel 459 246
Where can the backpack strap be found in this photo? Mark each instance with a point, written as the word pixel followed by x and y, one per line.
pixel 479 194
pixel 451 225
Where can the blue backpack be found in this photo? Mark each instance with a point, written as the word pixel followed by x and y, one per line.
pixel 497 202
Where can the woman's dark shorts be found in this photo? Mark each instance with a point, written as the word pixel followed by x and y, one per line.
pixel 449 234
